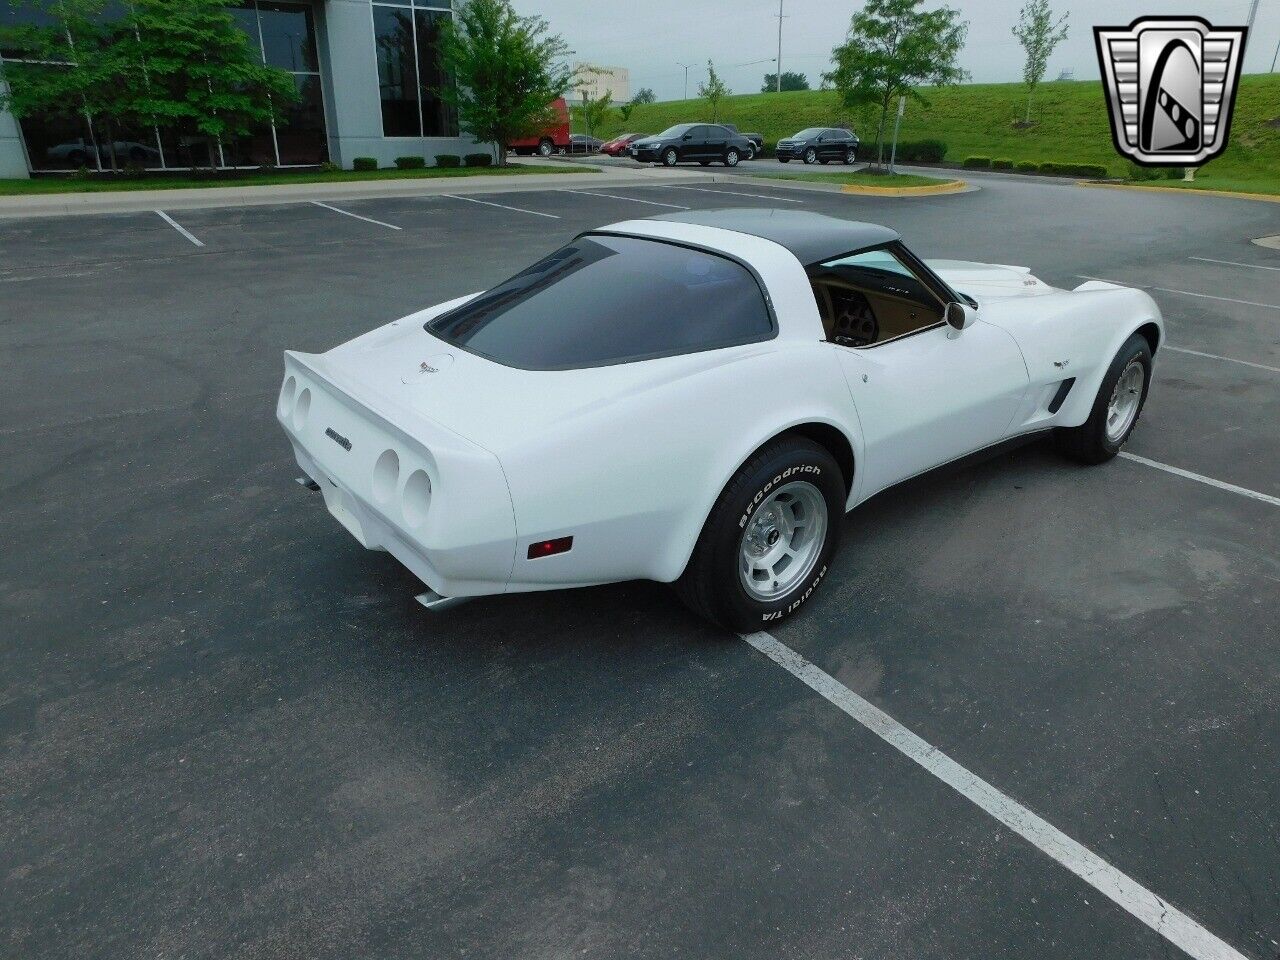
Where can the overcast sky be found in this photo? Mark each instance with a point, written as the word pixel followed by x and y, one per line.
pixel 652 37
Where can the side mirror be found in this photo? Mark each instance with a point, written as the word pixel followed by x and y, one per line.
pixel 687 136
pixel 961 315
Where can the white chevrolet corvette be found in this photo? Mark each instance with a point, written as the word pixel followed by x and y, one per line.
pixel 696 399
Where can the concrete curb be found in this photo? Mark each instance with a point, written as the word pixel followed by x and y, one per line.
pixel 951 186
pixel 1186 191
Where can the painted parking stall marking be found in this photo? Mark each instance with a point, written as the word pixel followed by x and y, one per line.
pixel 1235 263
pixel 614 196
pixel 502 206
pixel 732 193
pixel 1214 356
pixel 1209 296
pixel 179 227
pixel 1162 917
pixel 356 216
pixel 1201 478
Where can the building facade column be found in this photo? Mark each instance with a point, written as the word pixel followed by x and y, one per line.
pixel 13 157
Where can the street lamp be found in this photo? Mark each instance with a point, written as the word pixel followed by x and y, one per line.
pixel 686 77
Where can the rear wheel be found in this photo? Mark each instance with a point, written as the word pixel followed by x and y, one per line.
pixel 731 157
pixel 850 157
pixel 768 541
pixel 784 159
pixel 545 147
pixel 751 152
pixel 1115 409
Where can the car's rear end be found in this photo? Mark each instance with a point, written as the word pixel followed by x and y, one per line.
pixel 398 480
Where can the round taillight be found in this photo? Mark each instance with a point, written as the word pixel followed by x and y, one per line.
pixel 301 409
pixel 416 498
pixel 286 396
pixel 386 474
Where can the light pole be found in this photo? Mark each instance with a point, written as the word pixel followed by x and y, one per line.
pixel 1274 56
pixel 778 78
pixel 686 77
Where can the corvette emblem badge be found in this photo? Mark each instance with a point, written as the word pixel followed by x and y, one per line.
pixel 1170 85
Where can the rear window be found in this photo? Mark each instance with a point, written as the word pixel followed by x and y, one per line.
pixel 604 300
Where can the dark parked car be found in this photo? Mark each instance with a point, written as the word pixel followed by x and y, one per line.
pixel 692 143
pixel 581 143
pixel 757 141
pixel 819 145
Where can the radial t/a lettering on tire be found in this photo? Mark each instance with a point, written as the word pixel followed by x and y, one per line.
pixel 769 540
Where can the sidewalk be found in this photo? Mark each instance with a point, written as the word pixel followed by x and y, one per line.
pixel 75 204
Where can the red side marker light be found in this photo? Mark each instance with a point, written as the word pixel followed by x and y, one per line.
pixel 549 548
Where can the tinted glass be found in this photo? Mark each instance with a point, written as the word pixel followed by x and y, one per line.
pixel 680 129
pixel 301 135
pixel 604 300
pixel 438 118
pixel 808 133
pixel 397 72
pixel 287 37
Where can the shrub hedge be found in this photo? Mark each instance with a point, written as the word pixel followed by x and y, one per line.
pixel 1001 164
pixel 448 160
pixel 977 163
pixel 364 163
pixel 925 151
pixel 1074 169
pixel 411 163
pixel 478 160
pixel 1027 166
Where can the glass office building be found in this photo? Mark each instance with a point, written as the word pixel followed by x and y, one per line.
pixel 368 76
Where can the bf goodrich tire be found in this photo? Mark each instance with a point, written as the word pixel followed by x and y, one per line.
pixel 769 539
pixel 1116 408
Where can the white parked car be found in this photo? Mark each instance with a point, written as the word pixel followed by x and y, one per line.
pixel 696 399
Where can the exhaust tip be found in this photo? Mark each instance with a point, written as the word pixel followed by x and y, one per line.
pixel 435 602
pixel 308 483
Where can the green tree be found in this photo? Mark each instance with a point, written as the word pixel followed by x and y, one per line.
pixel 1039 33
pixel 790 81
pixel 624 111
pixel 507 71
pixel 196 71
pixel 892 48
pixel 78 68
pixel 596 111
pixel 713 91
pixel 644 95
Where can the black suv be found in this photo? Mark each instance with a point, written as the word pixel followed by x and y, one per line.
pixel 819 145
pixel 692 142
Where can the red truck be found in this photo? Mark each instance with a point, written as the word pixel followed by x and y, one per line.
pixel 554 139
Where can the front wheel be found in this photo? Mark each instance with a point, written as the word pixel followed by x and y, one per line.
pixel 811 156
pixel 784 159
pixel 1115 409
pixel 670 158
pixel 769 539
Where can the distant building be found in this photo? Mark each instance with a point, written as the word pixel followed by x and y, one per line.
pixel 594 80
pixel 1067 75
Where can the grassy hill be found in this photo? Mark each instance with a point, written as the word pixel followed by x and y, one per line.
pixel 977 119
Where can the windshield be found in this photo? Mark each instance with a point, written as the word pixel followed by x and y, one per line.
pixel 605 299
pixel 679 130
pixel 808 133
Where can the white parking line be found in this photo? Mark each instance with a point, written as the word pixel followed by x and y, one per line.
pixel 1209 296
pixel 348 213
pixel 1233 263
pixel 1220 484
pixel 1165 919
pixel 1214 356
pixel 612 196
pixel 179 227
pixel 731 193
pixel 501 205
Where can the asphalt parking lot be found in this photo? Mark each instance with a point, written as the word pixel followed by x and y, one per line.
pixel 227 730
